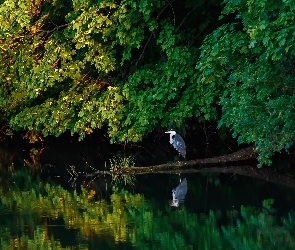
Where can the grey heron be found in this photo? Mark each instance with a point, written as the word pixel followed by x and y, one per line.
pixel 177 142
pixel 178 194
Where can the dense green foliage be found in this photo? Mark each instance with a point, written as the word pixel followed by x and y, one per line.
pixel 131 66
pixel 257 51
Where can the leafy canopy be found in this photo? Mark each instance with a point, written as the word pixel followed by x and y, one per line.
pixel 135 65
pixel 79 65
pixel 254 59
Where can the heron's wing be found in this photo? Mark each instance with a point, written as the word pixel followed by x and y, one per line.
pixel 181 190
pixel 179 144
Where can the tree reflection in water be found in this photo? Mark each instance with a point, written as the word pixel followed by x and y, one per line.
pixel 45 216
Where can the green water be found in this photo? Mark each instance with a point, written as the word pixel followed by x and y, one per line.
pixel 42 207
pixel 219 212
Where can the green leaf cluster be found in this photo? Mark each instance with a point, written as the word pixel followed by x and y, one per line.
pixel 132 66
pixel 252 60
pixel 80 65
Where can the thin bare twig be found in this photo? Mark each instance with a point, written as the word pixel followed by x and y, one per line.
pixel 173 12
pixel 162 10
pixel 88 185
pixel 183 20
pixel 47 32
pixel 94 169
pixel 142 53
pixel 158 16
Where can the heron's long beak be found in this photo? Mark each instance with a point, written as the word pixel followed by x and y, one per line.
pixel 168 132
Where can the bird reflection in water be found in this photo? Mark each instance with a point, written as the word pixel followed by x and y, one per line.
pixel 178 194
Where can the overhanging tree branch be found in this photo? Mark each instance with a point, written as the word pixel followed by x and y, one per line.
pixel 48 32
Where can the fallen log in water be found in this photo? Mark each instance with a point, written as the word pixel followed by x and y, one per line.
pixel 241 155
pixel 214 164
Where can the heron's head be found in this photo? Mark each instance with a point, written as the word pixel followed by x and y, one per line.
pixel 172 132
pixel 174 203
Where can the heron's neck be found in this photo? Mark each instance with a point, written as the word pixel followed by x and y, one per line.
pixel 171 139
pixel 173 195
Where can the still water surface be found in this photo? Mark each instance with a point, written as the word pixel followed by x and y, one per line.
pixel 220 211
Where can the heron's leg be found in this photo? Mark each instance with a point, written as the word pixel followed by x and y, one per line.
pixel 178 158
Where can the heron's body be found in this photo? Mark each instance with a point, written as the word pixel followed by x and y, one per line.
pixel 180 191
pixel 177 142
pixel 178 194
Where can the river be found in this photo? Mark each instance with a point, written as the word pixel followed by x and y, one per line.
pixel 55 203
